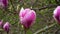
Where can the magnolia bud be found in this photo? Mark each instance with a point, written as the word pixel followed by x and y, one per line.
pixel 27 17
pixel 56 14
pixel 6 26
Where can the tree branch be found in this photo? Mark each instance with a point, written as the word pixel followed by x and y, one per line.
pixel 45 28
pixel 47 6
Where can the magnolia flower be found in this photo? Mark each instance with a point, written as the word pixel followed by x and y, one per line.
pixel 6 26
pixel 56 14
pixel 27 17
pixel 3 3
pixel 1 23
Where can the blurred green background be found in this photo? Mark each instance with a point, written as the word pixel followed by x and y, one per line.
pixel 44 10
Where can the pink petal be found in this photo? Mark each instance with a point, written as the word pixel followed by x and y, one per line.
pixel 56 14
pixel 29 19
pixel 23 12
pixel 56 10
pixel 6 26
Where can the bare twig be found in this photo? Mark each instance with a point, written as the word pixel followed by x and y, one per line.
pixel 25 31
pixel 45 28
pixel 47 6
pixel 7 32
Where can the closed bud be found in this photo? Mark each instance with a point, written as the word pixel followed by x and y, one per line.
pixel 6 26
pixel 27 17
pixel 56 14
pixel 3 3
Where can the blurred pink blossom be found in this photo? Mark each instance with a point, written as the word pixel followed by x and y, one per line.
pixel 27 17
pixel 6 26
pixel 3 3
pixel 56 14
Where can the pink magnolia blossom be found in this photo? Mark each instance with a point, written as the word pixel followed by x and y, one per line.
pixel 56 14
pixel 3 3
pixel 27 17
pixel 6 26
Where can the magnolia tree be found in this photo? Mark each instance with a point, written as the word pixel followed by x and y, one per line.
pixel 27 16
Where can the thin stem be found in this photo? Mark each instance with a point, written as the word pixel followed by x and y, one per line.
pixel 25 31
pixel 18 28
pixel 7 32
pixel 32 30
pixel 47 6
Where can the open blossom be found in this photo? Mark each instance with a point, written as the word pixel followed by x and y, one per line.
pixel 3 3
pixel 27 17
pixel 6 26
pixel 56 14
